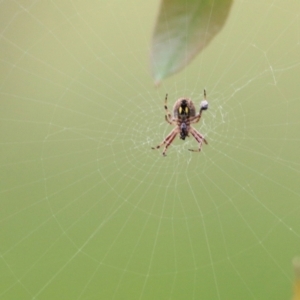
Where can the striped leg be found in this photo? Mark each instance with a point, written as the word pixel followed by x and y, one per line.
pixel 168 140
pixel 197 118
pixel 168 116
pixel 198 137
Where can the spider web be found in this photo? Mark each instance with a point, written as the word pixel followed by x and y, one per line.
pixel 89 211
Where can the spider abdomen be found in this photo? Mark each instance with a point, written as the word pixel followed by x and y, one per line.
pixel 182 113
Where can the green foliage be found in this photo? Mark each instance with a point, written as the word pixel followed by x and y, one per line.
pixel 182 30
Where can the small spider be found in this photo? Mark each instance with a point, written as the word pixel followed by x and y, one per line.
pixel 184 114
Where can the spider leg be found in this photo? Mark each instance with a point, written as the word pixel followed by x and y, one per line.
pixel 168 116
pixel 170 121
pixel 168 140
pixel 198 137
pixel 197 118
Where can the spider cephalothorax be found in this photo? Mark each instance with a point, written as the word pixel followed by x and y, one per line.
pixel 184 114
pixel 183 130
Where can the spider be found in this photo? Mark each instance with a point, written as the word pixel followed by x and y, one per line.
pixel 184 114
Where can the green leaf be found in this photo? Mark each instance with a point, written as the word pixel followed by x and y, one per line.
pixel 183 29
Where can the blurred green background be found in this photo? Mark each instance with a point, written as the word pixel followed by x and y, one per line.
pixel 89 211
